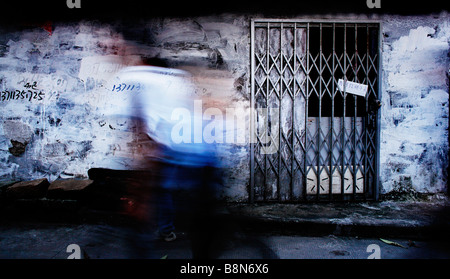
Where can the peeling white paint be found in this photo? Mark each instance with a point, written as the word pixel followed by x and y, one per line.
pixel 103 68
pixel 414 116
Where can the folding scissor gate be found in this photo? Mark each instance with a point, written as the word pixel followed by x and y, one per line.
pixel 310 138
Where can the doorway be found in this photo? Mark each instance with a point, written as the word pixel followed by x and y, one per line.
pixel 323 137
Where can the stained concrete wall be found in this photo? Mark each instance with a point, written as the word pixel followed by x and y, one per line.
pixel 56 124
pixel 414 115
pixel 57 86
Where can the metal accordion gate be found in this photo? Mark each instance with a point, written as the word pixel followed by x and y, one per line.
pixel 312 140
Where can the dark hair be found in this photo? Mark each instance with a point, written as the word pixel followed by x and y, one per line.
pixel 154 61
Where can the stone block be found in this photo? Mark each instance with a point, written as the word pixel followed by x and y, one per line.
pixel 68 188
pixel 103 174
pixel 3 186
pixel 28 189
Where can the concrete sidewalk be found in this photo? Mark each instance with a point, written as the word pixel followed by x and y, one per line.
pixel 104 197
pixel 408 219
pixel 45 228
pixel 103 200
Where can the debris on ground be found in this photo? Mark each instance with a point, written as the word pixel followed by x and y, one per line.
pixel 393 243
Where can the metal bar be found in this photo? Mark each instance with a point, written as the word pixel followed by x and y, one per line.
pixel 319 129
pixel 332 112
pixel 306 113
pixel 299 22
pixel 280 129
pixel 343 116
pixel 377 136
pixel 314 21
pixel 356 54
pixel 366 115
pixel 252 116
pixel 294 55
pixel 267 99
pixel 354 148
pixel 355 103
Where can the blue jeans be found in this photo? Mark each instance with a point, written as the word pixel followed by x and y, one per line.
pixel 166 212
pixel 195 174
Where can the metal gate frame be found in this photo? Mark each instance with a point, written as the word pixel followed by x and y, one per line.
pixel 370 191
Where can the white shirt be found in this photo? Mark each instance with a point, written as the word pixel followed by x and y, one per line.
pixel 157 92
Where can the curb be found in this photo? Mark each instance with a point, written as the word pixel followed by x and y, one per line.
pixel 104 198
pixel 273 225
pixel 433 223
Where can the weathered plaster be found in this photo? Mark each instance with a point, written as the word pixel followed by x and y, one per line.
pixel 414 115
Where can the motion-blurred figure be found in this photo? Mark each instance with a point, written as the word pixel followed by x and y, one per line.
pixel 180 164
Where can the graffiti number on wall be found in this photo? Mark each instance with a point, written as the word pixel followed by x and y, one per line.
pixel 28 92
pixel 120 87
pixel 32 86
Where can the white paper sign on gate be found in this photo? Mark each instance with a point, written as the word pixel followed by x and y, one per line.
pixel 353 87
